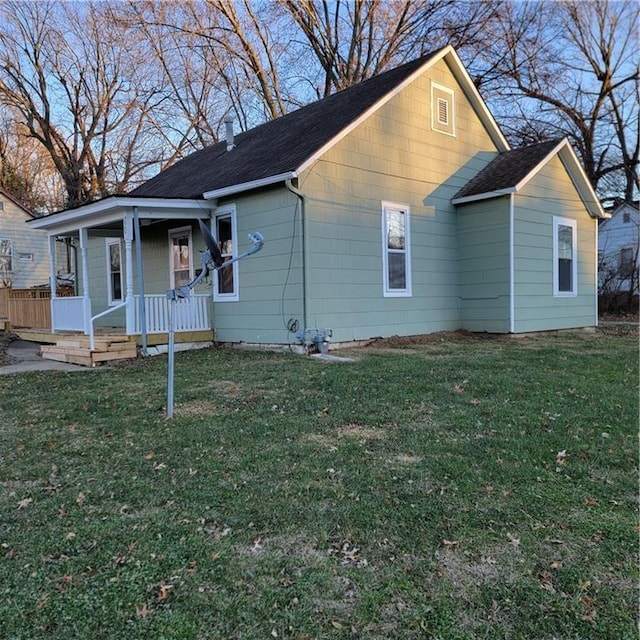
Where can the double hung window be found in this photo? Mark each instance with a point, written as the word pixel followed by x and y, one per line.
pixel 6 256
pixel 225 232
pixel 114 271
pixel 180 250
pixel 396 250
pixel 565 267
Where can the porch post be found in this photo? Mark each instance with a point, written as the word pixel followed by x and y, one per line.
pixel 52 279
pixel 141 310
pixel 128 240
pixel 86 300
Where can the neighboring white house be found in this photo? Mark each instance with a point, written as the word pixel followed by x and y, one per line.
pixel 618 246
pixel 24 252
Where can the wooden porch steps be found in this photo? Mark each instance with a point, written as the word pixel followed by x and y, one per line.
pixel 76 350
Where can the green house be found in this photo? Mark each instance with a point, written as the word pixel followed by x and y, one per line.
pixel 394 207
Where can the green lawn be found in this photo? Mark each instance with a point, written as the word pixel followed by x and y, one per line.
pixel 457 488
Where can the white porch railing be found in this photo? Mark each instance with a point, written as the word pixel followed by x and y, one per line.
pixel 190 315
pixel 67 314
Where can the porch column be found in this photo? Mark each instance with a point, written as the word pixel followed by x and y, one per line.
pixel 86 300
pixel 128 241
pixel 52 279
pixel 141 310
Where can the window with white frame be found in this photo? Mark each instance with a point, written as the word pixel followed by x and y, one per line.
pixel 6 256
pixel 181 257
pixel 442 109
pixel 565 257
pixel 114 271
pixel 396 256
pixel 225 232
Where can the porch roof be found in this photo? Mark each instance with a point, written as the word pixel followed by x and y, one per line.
pixel 116 208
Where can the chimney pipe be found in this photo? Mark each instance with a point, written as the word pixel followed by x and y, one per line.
pixel 228 126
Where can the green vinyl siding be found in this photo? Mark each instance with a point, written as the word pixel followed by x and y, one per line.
pixel 270 281
pixel 483 229
pixel 551 193
pixel 393 156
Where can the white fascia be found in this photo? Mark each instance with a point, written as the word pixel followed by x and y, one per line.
pixel 577 174
pixel 247 186
pixel 484 196
pixel 114 208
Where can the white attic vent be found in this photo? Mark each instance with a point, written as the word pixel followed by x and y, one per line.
pixel 443 111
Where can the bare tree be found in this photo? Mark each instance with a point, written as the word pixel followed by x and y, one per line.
pixel 80 92
pixel 353 41
pixel 26 170
pixel 555 69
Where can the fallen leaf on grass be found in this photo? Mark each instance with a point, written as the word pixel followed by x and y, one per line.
pixel 513 541
pixel 163 591
pixel 546 582
pixel 80 498
pixel 24 503
pixel 561 456
pixel 452 544
pixel 143 611
pixel 591 502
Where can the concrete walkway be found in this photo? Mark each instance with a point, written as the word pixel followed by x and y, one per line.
pixel 25 356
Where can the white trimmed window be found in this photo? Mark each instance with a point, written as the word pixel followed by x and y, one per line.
pixel 6 256
pixel 114 271
pixel 225 287
pixel 396 255
pixel 181 257
pixel 442 109
pixel 565 257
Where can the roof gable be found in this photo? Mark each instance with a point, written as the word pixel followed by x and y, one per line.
pixel 511 170
pixel 283 147
pixel 15 201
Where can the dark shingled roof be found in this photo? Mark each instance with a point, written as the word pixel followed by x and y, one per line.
pixel 276 147
pixel 507 169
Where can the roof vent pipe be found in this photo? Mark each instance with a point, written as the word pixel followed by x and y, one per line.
pixel 228 126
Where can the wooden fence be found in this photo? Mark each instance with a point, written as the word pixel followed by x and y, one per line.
pixel 28 308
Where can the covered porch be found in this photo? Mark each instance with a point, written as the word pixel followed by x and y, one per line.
pixel 129 253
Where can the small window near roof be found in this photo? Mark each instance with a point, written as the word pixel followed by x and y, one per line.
pixel 626 217
pixel 442 109
pixel 1 205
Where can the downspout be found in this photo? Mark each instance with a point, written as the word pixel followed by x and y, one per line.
pixel 141 311
pixel 512 267
pixel 305 252
pixel 596 283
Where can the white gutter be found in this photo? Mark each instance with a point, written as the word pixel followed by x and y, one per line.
pixel 246 186
pixel 484 196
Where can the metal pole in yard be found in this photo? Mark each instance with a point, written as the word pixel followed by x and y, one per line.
pixel 171 295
